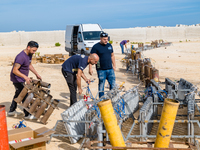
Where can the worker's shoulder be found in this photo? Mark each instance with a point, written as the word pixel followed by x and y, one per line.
pixel 108 44
pixel 97 44
pixel 80 56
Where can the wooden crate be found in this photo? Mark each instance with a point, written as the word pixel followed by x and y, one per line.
pixel 44 59
pixel 58 55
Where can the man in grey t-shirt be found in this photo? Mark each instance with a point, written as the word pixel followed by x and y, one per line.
pixel 19 75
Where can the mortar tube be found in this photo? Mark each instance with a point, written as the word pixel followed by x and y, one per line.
pixel 110 122
pixel 147 71
pixel 44 90
pixel 142 71
pixel 151 72
pixel 34 106
pixel 21 95
pixel 137 56
pixel 155 73
pixel 166 124
pixel 49 111
pixel 28 100
pixel 3 129
pixel 43 84
pixel 36 103
pixel 43 106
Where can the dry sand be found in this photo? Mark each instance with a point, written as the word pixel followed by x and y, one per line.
pixel 180 60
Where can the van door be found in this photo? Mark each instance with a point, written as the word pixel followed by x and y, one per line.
pixel 81 46
pixel 68 38
pixel 74 43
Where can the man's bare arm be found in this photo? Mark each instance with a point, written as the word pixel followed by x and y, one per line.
pixel 79 75
pixel 19 74
pixel 113 61
pixel 90 69
pixel 32 69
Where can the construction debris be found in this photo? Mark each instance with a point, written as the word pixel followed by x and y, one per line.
pixel 50 58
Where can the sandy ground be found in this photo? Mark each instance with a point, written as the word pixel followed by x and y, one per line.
pixel 180 60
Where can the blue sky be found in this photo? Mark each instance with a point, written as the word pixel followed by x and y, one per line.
pixel 47 15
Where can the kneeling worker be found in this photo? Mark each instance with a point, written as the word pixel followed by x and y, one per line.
pixel 72 70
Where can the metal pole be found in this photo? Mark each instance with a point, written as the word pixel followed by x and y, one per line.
pixel 100 134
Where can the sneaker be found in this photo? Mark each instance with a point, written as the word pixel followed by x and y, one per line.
pixel 30 117
pixel 12 113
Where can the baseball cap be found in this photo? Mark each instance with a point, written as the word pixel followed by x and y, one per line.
pixel 103 34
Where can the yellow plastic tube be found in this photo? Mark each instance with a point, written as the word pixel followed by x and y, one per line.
pixel 166 124
pixel 110 122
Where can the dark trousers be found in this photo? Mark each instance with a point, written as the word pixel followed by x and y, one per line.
pixel 18 88
pixel 72 84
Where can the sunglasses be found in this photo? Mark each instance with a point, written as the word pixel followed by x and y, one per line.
pixel 35 44
pixel 103 35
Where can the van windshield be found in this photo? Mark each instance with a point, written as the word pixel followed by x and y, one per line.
pixel 92 35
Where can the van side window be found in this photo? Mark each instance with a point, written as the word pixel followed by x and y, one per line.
pixel 80 39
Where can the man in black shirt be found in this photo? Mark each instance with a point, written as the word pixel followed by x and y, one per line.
pixel 106 64
pixel 72 70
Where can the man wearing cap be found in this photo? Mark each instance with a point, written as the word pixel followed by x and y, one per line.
pixel 122 44
pixel 72 70
pixel 106 64
pixel 19 75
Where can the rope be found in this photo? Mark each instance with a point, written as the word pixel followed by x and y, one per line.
pixel 150 92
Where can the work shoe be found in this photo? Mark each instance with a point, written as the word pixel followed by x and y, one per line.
pixel 30 117
pixel 12 113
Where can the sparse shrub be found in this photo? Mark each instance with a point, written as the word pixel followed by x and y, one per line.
pixel 134 42
pixel 186 40
pixel 37 54
pixel 110 42
pixel 57 44
pixel 180 41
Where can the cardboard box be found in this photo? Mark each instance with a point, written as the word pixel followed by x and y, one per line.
pixel 38 141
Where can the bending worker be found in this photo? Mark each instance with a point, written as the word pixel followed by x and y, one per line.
pixel 122 44
pixel 72 70
pixel 106 65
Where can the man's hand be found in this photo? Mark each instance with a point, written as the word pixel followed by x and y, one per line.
pixel 114 68
pixel 88 81
pixel 38 76
pixel 28 80
pixel 80 91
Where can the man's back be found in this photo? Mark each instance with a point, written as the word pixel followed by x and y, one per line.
pixel 74 62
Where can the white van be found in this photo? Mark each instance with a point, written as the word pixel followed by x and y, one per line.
pixel 81 38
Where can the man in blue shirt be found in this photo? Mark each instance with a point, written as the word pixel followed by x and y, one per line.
pixel 72 70
pixel 106 64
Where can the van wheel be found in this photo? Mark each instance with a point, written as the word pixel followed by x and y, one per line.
pixel 83 52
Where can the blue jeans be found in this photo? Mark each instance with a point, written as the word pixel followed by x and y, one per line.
pixel 122 47
pixel 103 75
